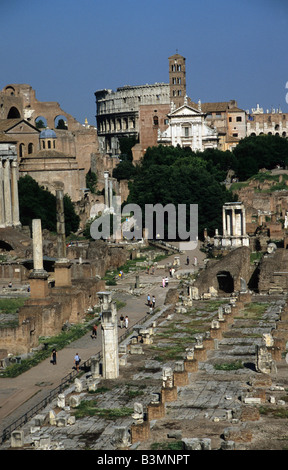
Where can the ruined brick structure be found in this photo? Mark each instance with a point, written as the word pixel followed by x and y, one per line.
pixel 75 146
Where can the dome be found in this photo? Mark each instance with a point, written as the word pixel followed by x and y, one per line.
pixel 48 134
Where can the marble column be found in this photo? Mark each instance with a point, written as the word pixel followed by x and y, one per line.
pixel 106 189
pixel 37 245
pixel 15 198
pixel 7 194
pixel 62 267
pixel 109 330
pixel 111 196
pixel 60 218
pixel 2 206
pixel 38 277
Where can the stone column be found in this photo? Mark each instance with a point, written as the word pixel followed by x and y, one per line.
pixel 111 196
pixel 60 218
pixel 2 204
pixel 110 344
pixel 38 277
pixel 37 245
pixel 106 194
pixel 7 194
pixel 224 221
pixel 15 199
pixel 109 335
pixel 62 267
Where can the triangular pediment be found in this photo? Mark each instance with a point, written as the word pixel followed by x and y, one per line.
pixel 17 126
pixel 185 110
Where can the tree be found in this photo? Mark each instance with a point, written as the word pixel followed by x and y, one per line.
pixel 178 176
pixel 91 181
pixel 256 152
pixel 38 203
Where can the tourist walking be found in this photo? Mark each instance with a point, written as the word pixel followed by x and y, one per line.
pixel 122 321
pixel 77 361
pixel 163 282
pixel 148 300
pixel 153 302
pixel 126 321
pixel 94 332
pixel 54 357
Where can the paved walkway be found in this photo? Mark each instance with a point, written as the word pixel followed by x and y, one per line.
pixel 19 395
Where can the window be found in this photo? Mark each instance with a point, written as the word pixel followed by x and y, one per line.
pixel 155 121
pixel 186 131
pixel 239 119
pixel 230 119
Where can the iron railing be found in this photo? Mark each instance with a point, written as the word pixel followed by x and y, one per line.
pixel 6 433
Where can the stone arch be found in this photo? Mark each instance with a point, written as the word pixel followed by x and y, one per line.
pixel 38 120
pixel 30 148
pixel 60 122
pixel 225 281
pixel 10 90
pixel 21 150
pixel 4 246
pixel 13 113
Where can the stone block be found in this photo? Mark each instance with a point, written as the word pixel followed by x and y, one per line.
pixel 237 434
pixel 140 432
pixel 39 419
pixel 180 378
pixel 196 444
pixel 249 413
pixel 136 349
pixel 17 439
pixel 155 411
pixel 200 354
pixel 191 365
pixel 169 394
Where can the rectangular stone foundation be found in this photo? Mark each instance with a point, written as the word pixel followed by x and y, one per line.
pixel 200 354
pixel 140 432
pixel 180 378
pixel 191 365
pixel 155 411
pixel 208 344
pixel 216 333
pixel 275 353
pixel 39 288
pixel 168 394
pixel 249 413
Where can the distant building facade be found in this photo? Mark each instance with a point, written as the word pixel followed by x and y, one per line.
pixel 148 113
pixel 188 128
pixel 66 153
pixel 272 122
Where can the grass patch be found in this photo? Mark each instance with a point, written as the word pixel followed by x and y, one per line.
pixel 236 365
pixel 254 310
pixel 11 305
pixel 176 445
pixel 281 413
pixel 89 408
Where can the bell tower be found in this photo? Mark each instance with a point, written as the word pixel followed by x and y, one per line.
pixel 177 79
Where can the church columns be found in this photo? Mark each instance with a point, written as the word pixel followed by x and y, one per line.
pixel 9 202
pixel 7 193
pixel 15 199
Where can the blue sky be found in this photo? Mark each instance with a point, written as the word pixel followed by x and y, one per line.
pixel 68 49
